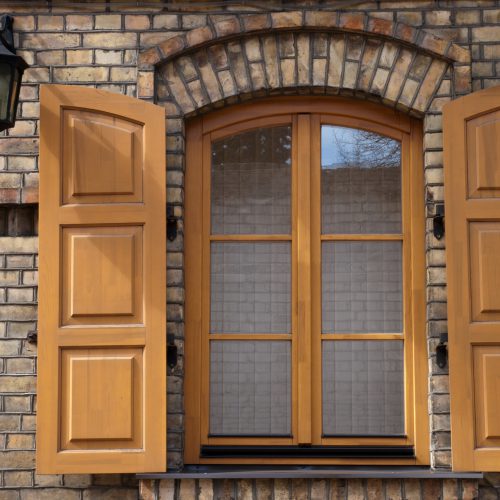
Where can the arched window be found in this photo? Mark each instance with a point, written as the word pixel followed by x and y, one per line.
pixel 305 284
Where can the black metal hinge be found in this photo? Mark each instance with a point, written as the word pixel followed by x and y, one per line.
pixel 438 221
pixel 171 223
pixel 442 351
pixel 171 351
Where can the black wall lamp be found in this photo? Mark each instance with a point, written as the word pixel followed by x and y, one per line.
pixel 11 73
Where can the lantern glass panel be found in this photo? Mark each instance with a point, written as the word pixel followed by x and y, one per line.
pixel 13 95
pixel 5 82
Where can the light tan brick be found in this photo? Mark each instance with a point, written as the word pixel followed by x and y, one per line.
pixel 145 84
pixel 22 127
pixel 24 23
pixel 17 460
pixel 108 56
pixel 30 109
pixel 50 57
pixel 79 22
pixel 110 40
pixel 9 422
pixel 137 22
pixel 108 22
pixel 49 41
pixel 17 478
pixel 81 74
pixel 51 494
pixel 50 23
pixel 123 74
pixel 48 480
pixel 17 295
pixel 166 21
pixel 438 17
pixel 77 480
pixel 10 180
pixel 9 347
pixel 36 75
pixel 74 57
pixel 20 441
pixel 19 365
pixel 22 383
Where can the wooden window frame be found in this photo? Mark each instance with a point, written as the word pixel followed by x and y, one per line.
pixel 306 114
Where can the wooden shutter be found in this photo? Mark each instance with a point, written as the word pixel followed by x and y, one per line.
pixel 101 357
pixel 472 194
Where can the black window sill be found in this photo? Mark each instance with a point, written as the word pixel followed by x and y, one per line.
pixel 309 472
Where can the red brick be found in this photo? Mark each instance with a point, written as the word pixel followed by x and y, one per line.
pixel 228 27
pixel 380 26
pixel 354 21
pixel 286 19
pixel 9 195
pixel 256 22
pixel 149 57
pixel 199 36
pixel 170 47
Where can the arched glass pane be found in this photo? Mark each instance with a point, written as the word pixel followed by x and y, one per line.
pixel 251 182
pixel 360 182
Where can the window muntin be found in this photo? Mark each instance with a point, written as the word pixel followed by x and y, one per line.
pixel 306 385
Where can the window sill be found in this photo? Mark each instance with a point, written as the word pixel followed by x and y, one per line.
pixel 309 472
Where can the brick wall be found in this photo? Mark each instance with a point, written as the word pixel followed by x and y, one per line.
pixel 99 45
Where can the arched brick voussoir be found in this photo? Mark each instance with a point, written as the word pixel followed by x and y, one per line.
pixel 299 62
pixel 357 22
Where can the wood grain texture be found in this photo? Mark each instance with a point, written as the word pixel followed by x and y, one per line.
pixel 471 139
pixel 102 317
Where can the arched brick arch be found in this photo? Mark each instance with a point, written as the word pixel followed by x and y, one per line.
pixel 307 51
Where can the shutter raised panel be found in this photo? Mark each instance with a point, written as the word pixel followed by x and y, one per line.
pixel 472 194
pixel 102 292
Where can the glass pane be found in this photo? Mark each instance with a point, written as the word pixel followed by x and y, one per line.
pixel 13 95
pixel 250 287
pixel 360 182
pixel 363 387
pixel 362 287
pixel 250 388
pixel 251 182
pixel 5 76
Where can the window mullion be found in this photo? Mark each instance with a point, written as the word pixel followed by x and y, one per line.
pixel 304 285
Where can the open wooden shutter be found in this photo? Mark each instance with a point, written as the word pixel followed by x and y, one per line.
pixel 101 358
pixel 472 194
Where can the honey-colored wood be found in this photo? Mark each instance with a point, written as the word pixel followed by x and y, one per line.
pixel 193 307
pixel 485 270
pixel 486 368
pixel 316 299
pixel 91 169
pixel 309 114
pixel 361 237
pixel 418 294
pixel 96 292
pixel 471 138
pixel 304 279
pixel 109 418
pixel 483 155
pixel 102 358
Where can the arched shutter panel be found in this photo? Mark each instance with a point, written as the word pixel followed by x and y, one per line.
pixel 102 303
pixel 472 194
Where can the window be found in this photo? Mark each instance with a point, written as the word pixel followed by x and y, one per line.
pixel 305 285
